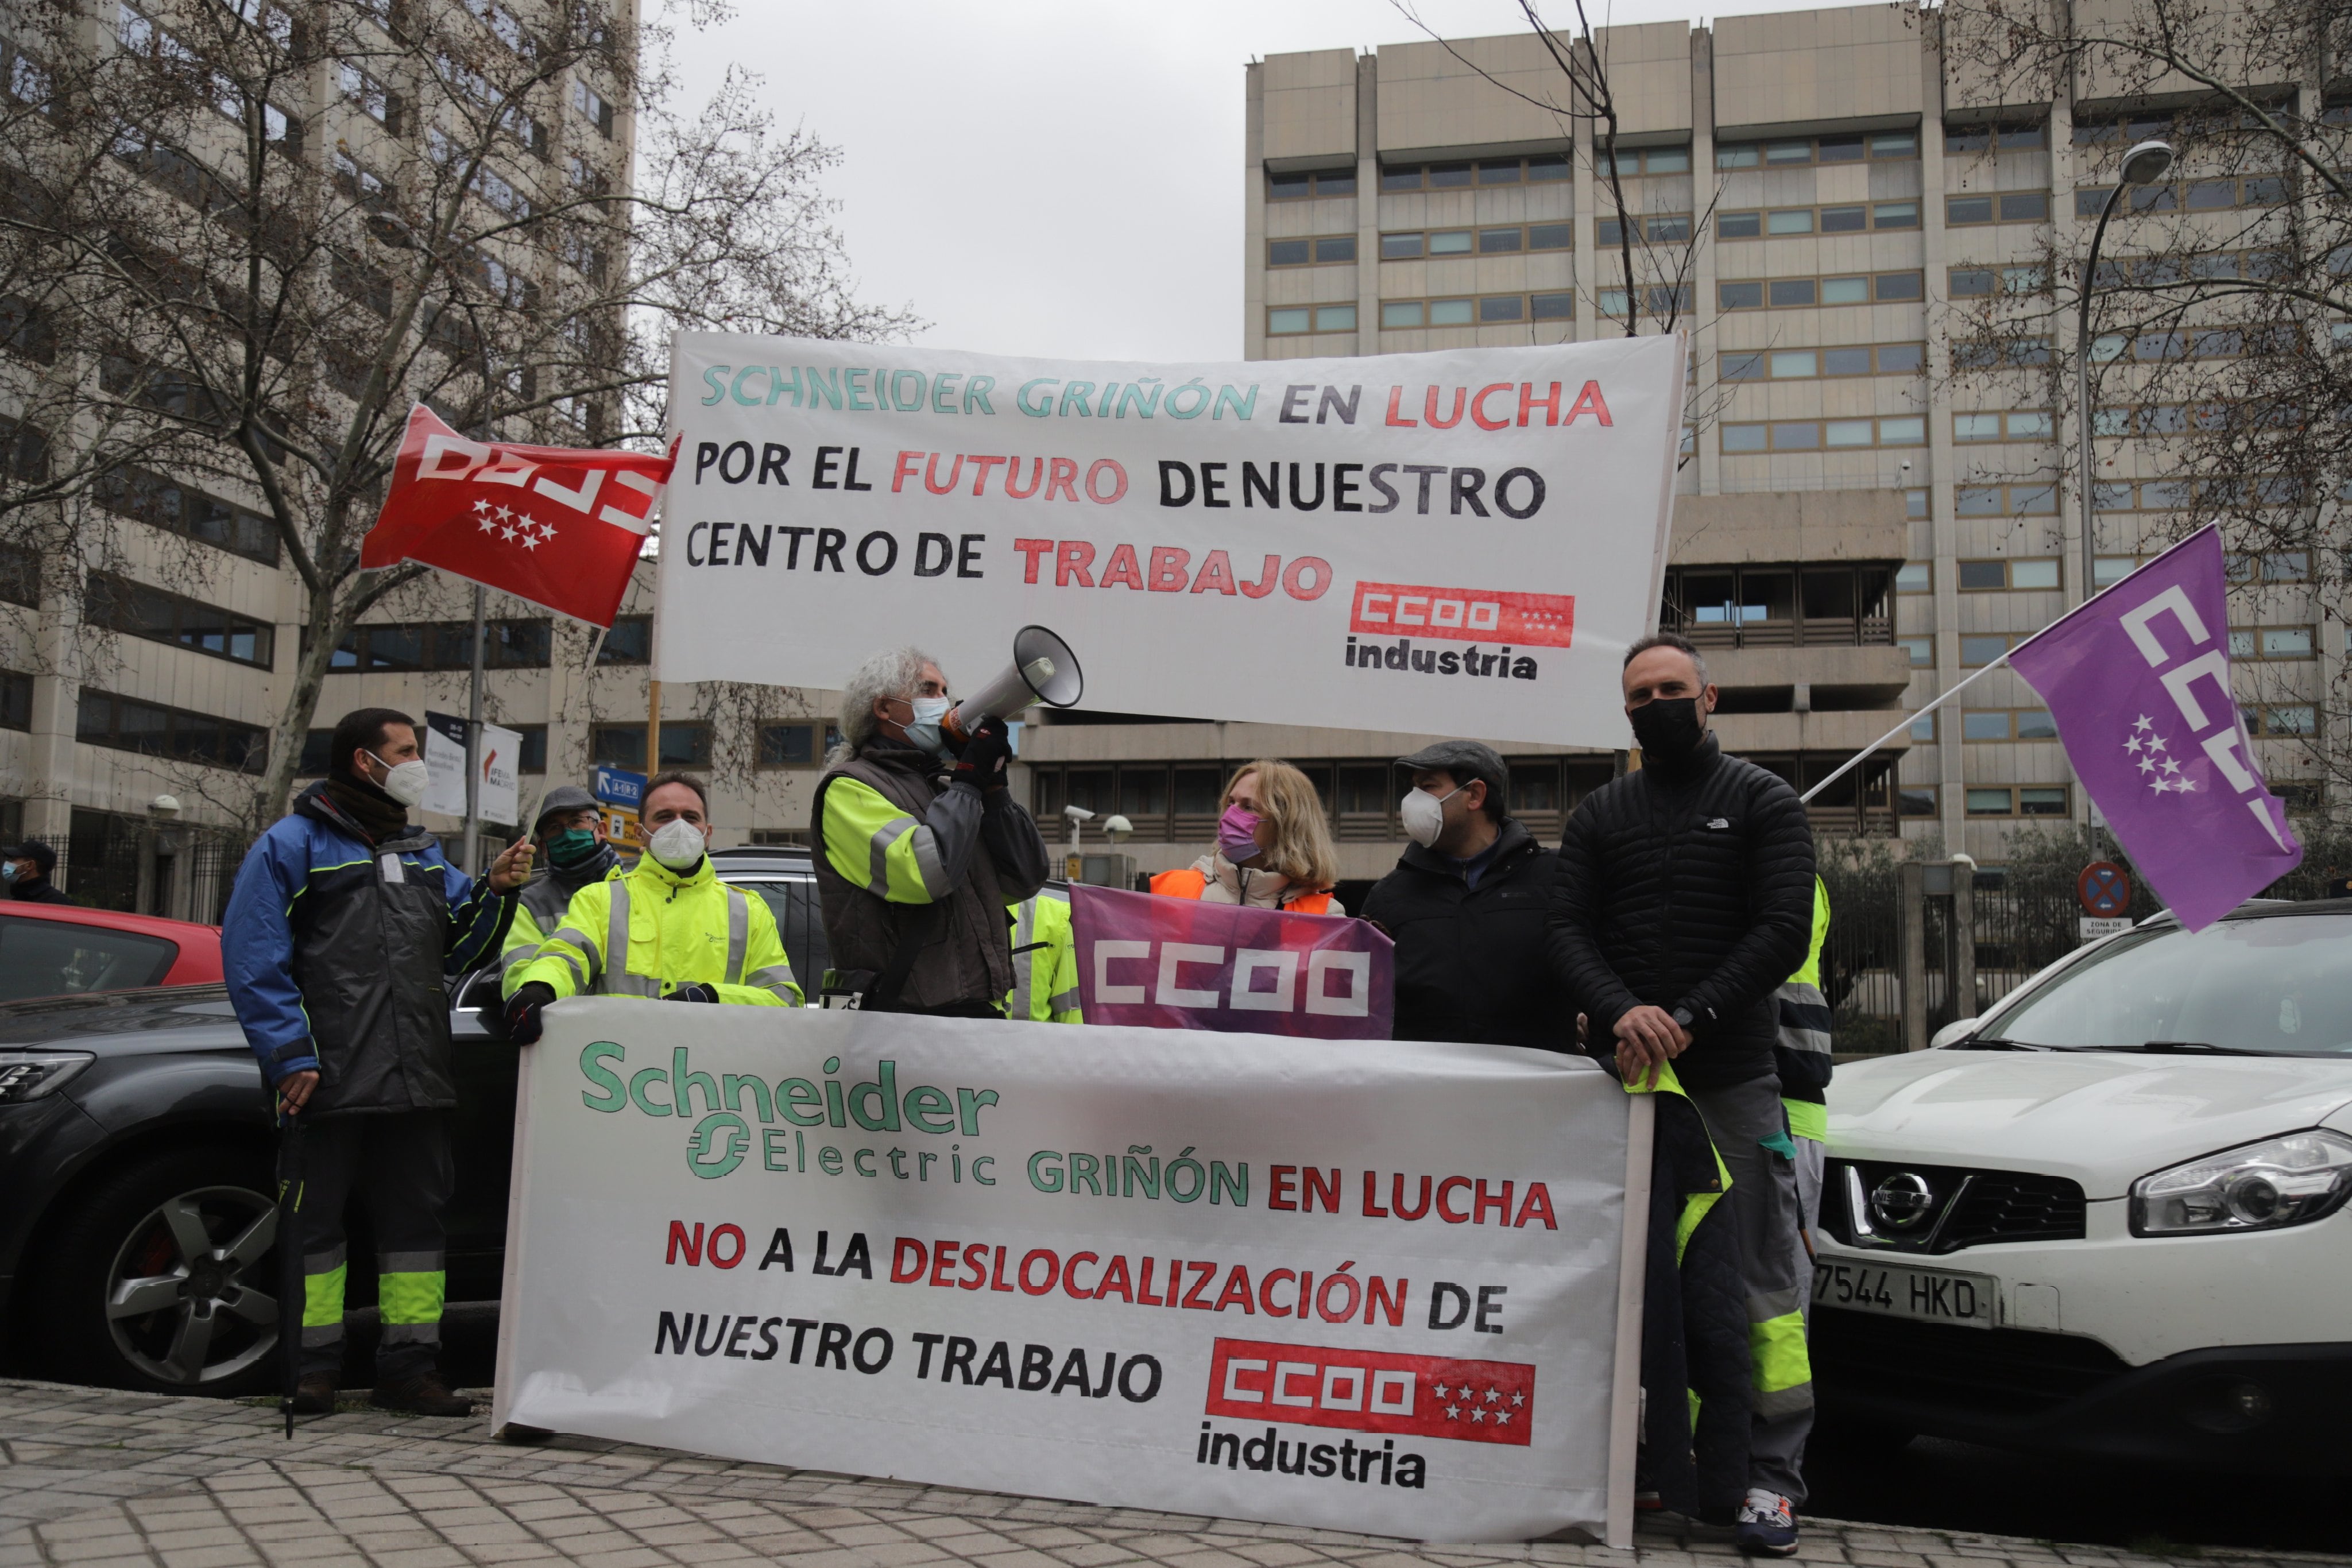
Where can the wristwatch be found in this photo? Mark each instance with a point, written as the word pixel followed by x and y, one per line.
pixel 1682 1016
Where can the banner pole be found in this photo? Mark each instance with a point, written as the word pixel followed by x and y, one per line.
pixel 472 860
pixel 511 1279
pixel 1633 1273
pixel 1909 721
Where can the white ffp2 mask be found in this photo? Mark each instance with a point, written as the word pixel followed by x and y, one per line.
pixel 405 782
pixel 677 844
pixel 1424 814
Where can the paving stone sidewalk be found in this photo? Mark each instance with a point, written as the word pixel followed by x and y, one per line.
pixel 95 1478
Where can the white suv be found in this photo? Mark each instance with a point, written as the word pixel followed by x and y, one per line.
pixel 2105 1219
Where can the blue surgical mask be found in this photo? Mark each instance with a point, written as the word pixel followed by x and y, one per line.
pixel 924 731
pixel 7 871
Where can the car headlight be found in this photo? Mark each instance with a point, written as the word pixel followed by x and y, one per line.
pixel 2282 1181
pixel 28 1075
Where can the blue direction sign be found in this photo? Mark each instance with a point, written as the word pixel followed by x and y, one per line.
pixel 2104 889
pixel 619 787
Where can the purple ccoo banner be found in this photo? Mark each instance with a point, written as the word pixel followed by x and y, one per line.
pixel 1181 963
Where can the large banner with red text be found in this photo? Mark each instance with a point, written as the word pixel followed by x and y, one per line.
pixel 1461 542
pixel 1361 1284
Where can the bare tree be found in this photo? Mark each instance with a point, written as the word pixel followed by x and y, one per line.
pixel 2221 359
pixel 244 236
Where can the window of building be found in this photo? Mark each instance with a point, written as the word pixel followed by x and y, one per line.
pixel 630 642
pixel 1886 288
pixel 2273 642
pixel 2005 136
pixel 2009 353
pixel 141 612
pixel 1923 727
pixel 1825 434
pixel 798 742
pixel 128 725
pixel 2001 207
pixel 1977 576
pixel 1851 219
pixel 1981 282
pixel 1658 228
pixel 1298 184
pixel 2277 566
pixel 1413 244
pixel 165 504
pixel 1915 576
pixel 1791 152
pixel 1290 320
pixel 618 746
pixel 1540 169
pixel 2019 800
pixel 15 700
pixel 534 749
pixel 1980 648
pixel 1657 300
pixel 1916 801
pixel 2282 719
pixel 1922 650
pixel 593 106
pixel 20 576
pixel 1801 364
pixel 442 645
pixel 2011 425
pixel 368 96
pixel 1633 160
pixel 2007 723
pixel 1915 504
pixel 2005 500
pixel 685 743
pixel 1404 314
pixel 1310 252
pixel 1778 605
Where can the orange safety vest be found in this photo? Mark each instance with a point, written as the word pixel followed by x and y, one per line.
pixel 1190 883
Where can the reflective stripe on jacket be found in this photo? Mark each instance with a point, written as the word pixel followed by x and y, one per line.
pixel 667 931
pixel 1044 960
pixel 1193 883
pixel 1801 1051
pixel 540 908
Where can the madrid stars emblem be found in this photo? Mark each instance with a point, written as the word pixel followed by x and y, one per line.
pixel 2148 752
pixel 512 526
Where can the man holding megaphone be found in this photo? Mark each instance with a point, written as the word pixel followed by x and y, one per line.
pixel 922 845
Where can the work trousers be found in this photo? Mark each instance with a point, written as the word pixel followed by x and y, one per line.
pixel 400 1163
pixel 1813 1160
pixel 1750 1130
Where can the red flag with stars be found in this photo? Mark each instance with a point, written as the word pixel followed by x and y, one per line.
pixel 559 526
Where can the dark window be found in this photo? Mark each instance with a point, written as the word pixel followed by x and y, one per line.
pixel 1739 296
pixel 1090 787
pixel 55 957
pixel 158 502
pixel 1546 166
pixel 15 700
pixel 1503 172
pixel 1286 187
pixel 794 744
pixel 20 576
pixel 1535 786
pixel 1845 361
pixel 1336 182
pixel 1493 242
pixel 1967 209
pixel 1740 367
pixel 24 329
pixel 1196 792
pixel 1550 237
pixel 1738 226
pixel 1983 574
pixel 630 642
pixel 534 747
pixel 1143 791
pixel 1894 286
pixel 1339 248
pixel 1448 176
pixel 1400 248
pixel 2089 203
pixel 2025 207
pixel 1838 149
pixel 618 746
pixel 1502 307
pixel 142 611
pixel 1970 282
pixel 156 731
pixel 1286 252
pixel 686 745
pixel 1671 229
pixel 317 751
pixel 1844 220
pixel 1401 179
pixel 1792 291
pixel 1552 306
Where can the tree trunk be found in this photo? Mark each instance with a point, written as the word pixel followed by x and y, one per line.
pixel 327 623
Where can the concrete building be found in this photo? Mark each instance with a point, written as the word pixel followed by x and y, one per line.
pixel 1875 502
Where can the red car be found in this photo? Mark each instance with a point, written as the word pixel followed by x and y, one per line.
pixel 62 949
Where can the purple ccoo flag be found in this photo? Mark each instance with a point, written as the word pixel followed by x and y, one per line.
pixel 2138 680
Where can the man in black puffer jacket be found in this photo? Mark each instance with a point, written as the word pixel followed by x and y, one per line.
pixel 1465 908
pixel 1685 897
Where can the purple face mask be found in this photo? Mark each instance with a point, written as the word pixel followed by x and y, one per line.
pixel 1236 832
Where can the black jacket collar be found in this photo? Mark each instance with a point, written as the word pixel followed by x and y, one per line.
pixel 1681 775
pixel 1514 844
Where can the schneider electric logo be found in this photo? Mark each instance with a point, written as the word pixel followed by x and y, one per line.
pixel 793 1116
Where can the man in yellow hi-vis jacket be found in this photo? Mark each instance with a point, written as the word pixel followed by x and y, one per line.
pixel 1044 960
pixel 667 929
pixel 1801 1053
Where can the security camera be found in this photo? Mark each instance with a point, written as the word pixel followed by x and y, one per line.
pixel 1077 814
pixel 1117 829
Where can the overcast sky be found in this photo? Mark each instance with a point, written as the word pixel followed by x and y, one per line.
pixel 1058 177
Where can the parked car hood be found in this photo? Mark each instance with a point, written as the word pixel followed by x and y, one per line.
pixel 2103 1118
pixel 144 1022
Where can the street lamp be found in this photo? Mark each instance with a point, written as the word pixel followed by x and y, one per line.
pixel 2143 165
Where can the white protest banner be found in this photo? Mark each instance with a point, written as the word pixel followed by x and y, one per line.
pixel 445 764
pixel 1362 1284
pixel 1461 542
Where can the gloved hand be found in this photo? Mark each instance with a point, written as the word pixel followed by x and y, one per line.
pixel 523 1026
pixel 986 756
pixel 693 991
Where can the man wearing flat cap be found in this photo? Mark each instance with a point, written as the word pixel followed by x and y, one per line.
pixel 571 846
pixel 28 867
pixel 1466 906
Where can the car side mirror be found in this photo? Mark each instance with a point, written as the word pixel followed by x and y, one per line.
pixel 1954 1032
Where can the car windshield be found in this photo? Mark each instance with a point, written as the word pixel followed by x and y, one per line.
pixel 2279 985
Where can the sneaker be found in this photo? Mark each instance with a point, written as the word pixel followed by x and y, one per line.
pixel 1767 1525
pixel 422 1394
pixel 315 1394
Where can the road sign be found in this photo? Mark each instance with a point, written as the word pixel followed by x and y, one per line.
pixel 2093 927
pixel 2104 889
pixel 619 787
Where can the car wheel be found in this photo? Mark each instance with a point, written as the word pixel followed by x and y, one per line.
pixel 163 1277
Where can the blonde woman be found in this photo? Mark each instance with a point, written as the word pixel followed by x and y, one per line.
pixel 1273 850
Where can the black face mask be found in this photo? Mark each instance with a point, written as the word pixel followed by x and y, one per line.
pixel 1668 728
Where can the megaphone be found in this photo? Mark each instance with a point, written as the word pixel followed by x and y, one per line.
pixel 1044 670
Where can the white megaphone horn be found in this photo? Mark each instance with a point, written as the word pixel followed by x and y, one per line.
pixel 1042 670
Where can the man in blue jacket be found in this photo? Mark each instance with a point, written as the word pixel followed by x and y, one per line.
pixel 344 921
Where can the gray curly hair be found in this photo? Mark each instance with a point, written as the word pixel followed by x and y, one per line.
pixel 892 673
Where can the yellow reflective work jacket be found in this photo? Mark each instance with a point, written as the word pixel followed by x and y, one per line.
pixel 1044 960
pixel 665 930
pixel 1801 1050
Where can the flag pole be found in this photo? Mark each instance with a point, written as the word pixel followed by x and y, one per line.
pixel 1909 721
